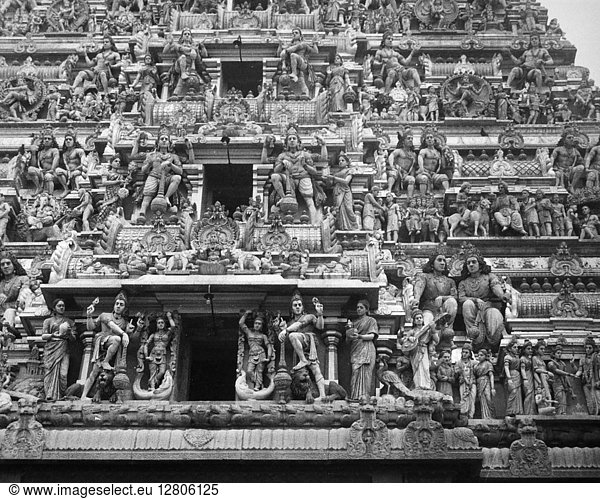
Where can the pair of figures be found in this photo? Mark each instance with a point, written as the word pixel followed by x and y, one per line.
pixel 478 290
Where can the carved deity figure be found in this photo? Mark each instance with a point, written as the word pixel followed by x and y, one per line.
pixel 526 366
pixel 589 372
pixel 390 66
pixel 531 66
pixel 148 80
pixel 561 384
pixel 300 331
pixel 294 61
pixel 419 343
pixel 114 335
pixel 514 382
pixel 402 164
pixel 75 161
pixel 435 293
pixel 477 290
pixel 506 211
pixel 101 67
pixel 18 98
pixel 260 350
pixel 13 284
pixel 588 175
pixel 341 178
pixel 338 85
pixel 160 340
pixel 362 333
pixel 568 163
pixel 484 380
pixel 163 172
pixel 294 172
pixel 57 332
pixel 430 161
pixel 466 381
pixel 188 73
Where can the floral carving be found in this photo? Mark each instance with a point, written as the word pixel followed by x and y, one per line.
pixel 562 263
pixel 528 456
pixel 369 436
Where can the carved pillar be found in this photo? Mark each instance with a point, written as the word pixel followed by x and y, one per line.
pixel 88 346
pixel 331 337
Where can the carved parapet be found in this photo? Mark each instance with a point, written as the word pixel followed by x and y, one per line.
pixel 45 72
pixel 301 112
pixel 571 72
pixel 247 19
pixel 204 21
pixel 359 263
pixel 303 21
pixel 545 305
pixel 309 236
pixel 171 113
pixel 507 168
pixel 447 68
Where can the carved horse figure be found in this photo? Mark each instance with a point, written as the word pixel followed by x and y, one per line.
pixel 479 218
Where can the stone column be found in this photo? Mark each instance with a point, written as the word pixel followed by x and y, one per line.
pixel 331 337
pixel 88 347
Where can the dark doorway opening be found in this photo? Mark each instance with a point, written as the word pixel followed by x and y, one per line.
pixel 213 358
pixel 243 76
pixel 231 185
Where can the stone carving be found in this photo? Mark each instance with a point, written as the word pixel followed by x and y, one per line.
pixel 213 238
pixel 528 456
pixel 110 343
pixel 389 67
pixel 22 97
pixel 198 438
pixel 24 438
pixel 424 437
pixel 260 356
pixel 436 13
pixel 566 305
pixel 158 349
pixel 67 15
pixel 531 66
pixel 368 436
pixel 188 75
pixel 57 332
pixel 295 75
pixel 563 263
pixel 466 95
pixel 510 138
pixel 477 290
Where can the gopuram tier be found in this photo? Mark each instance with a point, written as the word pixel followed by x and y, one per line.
pixel 341 235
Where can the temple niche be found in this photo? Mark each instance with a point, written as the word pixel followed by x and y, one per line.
pixel 366 228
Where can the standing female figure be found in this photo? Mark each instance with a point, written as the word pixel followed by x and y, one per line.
pixel 342 194
pixel 484 379
pixel 57 332
pixel 514 383
pixel 527 377
pixel 466 381
pixel 362 334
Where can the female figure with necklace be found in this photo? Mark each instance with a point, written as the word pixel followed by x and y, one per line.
pixel 338 83
pixel 342 194
pixel 362 334
pixel 514 382
pixel 13 281
pixel 466 381
pixel 484 379
pixel 589 372
pixel 435 294
pixel 476 290
pixel 526 361
pixel 57 332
